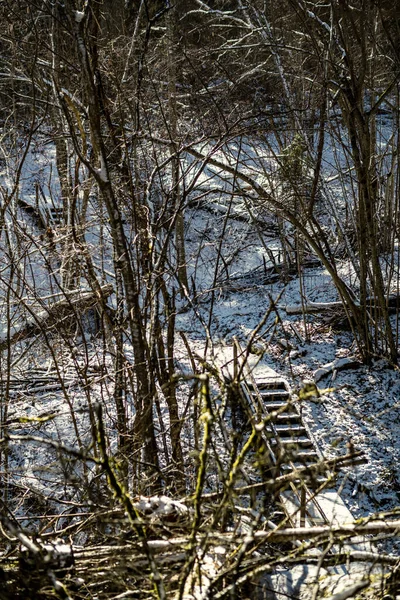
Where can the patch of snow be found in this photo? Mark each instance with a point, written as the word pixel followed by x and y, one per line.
pixel 79 16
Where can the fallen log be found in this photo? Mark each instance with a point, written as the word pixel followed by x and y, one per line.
pixel 265 275
pixel 333 367
pixel 358 528
pixel 313 307
pixel 54 315
pixel 392 302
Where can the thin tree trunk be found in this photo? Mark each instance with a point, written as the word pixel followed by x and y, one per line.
pixel 144 441
pixel 173 41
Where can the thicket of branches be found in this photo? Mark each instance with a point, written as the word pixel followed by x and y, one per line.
pixel 137 101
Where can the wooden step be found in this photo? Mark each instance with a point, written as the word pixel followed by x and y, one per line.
pixel 301 457
pixel 298 464
pixel 295 429
pixel 295 441
pixel 307 455
pixel 266 400
pixel 278 404
pixel 274 384
pixel 273 394
pixel 287 417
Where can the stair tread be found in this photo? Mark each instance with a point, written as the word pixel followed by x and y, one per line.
pixel 291 430
pixel 291 416
pixel 286 468
pixel 294 440
pixel 272 383
pixel 284 417
pixel 300 456
pixel 307 453
pixel 56 213
pixel 276 398
pixel 276 404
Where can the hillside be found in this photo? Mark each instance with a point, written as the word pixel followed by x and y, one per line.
pixel 199 300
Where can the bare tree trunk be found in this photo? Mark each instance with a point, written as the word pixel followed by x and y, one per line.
pixel 362 133
pixel 120 383
pixel 173 41
pixel 144 436
pixel 69 272
pixel 167 370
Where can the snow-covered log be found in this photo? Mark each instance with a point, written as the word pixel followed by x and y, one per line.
pixel 336 365
pixel 55 315
pixel 312 307
pixel 392 302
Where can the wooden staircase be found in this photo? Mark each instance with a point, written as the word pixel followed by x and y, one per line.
pixel 309 499
pixel 289 439
pixel 299 489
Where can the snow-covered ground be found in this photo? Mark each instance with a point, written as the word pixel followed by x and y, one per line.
pixel 227 259
pixel 363 409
